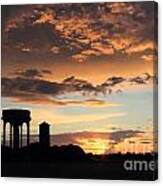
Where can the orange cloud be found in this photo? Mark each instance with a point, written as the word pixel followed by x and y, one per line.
pixel 140 47
pixel 148 58
pixel 47 16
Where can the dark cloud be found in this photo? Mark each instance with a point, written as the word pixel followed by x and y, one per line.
pixel 38 38
pixel 138 80
pixel 30 87
pixel 119 136
pixel 79 85
pixel 29 73
pixel 145 142
pixel 45 71
pixel 34 86
pixel 145 78
pixel 114 80
pixel 32 73
pixel 23 87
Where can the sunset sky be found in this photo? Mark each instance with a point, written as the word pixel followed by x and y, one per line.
pixel 86 69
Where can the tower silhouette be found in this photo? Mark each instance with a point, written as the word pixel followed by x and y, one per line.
pixel 16 118
pixel 44 135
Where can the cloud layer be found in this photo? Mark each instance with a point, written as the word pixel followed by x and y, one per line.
pixel 28 86
pixel 116 136
pixel 80 31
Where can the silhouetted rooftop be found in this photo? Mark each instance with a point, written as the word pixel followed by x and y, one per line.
pixel 16 116
pixel 44 123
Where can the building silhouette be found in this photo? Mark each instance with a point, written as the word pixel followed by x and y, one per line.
pixel 44 134
pixel 16 118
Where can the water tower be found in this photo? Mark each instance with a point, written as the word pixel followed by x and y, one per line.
pixel 44 134
pixel 16 118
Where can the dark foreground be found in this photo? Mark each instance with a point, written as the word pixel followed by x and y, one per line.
pixel 71 162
